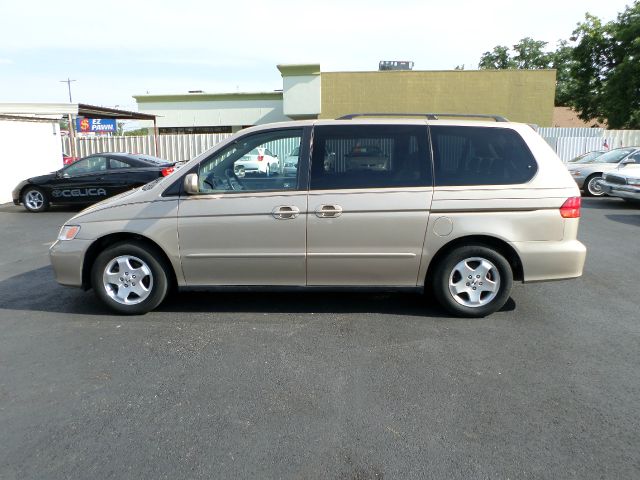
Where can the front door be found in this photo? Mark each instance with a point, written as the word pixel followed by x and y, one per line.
pixel 85 181
pixel 247 228
pixel 369 199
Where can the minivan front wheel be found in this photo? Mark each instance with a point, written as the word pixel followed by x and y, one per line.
pixel 130 278
pixel 472 281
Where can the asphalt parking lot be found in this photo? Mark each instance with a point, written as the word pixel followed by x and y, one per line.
pixel 348 386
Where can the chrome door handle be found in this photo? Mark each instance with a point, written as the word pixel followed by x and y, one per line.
pixel 328 211
pixel 285 212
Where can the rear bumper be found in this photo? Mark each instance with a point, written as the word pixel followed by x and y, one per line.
pixel 67 258
pixel 551 260
pixel 622 191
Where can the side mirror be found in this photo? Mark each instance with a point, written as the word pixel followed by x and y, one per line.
pixel 191 184
pixel 628 161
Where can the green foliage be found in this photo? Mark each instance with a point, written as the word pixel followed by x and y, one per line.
pixel 530 54
pixel 605 74
pixel 597 72
pixel 498 59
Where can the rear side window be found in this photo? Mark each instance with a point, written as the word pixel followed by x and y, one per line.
pixel 370 156
pixel 480 156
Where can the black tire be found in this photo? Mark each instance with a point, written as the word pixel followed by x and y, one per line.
pixel 156 282
pixel 589 189
pixel 35 200
pixel 448 269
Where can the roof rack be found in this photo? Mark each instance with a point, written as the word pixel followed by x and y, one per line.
pixel 429 116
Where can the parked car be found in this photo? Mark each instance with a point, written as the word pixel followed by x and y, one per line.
pixel 291 162
pixel 588 175
pixel 90 179
pixel 463 209
pixel 67 159
pixel 259 160
pixel 369 157
pixel 587 157
pixel 623 183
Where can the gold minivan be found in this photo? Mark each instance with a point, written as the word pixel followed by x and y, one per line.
pixel 458 208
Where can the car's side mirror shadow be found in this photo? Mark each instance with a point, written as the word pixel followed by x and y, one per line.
pixel 191 184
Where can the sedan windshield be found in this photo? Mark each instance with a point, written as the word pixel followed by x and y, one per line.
pixel 587 157
pixel 614 156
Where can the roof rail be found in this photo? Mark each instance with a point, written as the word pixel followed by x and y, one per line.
pixel 429 116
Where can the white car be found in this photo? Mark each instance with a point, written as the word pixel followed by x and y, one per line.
pixel 291 162
pixel 588 175
pixel 624 184
pixel 259 160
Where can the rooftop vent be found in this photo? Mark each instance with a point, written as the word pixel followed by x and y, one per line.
pixel 395 65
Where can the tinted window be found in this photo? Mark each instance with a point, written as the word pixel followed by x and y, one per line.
pixel 480 156
pixel 370 156
pixel 243 165
pixel 114 163
pixel 86 166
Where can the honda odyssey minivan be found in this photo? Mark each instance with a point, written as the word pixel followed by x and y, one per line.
pixel 461 209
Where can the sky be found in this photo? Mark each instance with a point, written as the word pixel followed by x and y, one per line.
pixel 115 49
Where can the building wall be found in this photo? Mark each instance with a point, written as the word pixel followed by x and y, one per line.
pixel 519 95
pixel 27 148
pixel 212 110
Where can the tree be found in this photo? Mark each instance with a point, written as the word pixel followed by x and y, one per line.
pixel 498 59
pixel 530 54
pixel 605 73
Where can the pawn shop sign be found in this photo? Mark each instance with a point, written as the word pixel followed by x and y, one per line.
pixel 96 125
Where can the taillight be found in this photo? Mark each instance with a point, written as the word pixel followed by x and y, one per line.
pixel 167 171
pixel 571 208
pixel 260 158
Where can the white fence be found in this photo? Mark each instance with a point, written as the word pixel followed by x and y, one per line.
pixel 567 142
pixel 170 147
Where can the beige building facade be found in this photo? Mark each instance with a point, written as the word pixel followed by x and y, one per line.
pixel 519 95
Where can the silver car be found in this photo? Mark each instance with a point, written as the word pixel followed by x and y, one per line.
pixel 587 174
pixel 624 184
pixel 462 209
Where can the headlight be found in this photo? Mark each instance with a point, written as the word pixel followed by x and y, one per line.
pixel 68 232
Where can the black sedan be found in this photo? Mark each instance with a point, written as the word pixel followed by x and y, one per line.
pixel 90 179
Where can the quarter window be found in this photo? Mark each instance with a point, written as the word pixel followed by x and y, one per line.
pixel 480 156
pixel 370 156
pixel 251 163
pixel 116 164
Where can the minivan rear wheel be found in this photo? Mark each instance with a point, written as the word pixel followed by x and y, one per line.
pixel 472 281
pixel 130 278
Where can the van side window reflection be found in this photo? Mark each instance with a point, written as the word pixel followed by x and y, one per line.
pixel 370 156
pixel 253 163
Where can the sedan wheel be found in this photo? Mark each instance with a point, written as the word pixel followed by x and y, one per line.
pixel 593 186
pixel 35 200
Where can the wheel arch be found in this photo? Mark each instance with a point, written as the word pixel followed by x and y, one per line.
pixel 497 244
pixel 111 239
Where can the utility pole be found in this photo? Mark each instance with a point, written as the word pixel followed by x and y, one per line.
pixel 72 135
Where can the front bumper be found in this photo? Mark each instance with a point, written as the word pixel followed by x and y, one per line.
pixel 551 260
pixel 67 259
pixel 622 191
pixel 15 194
